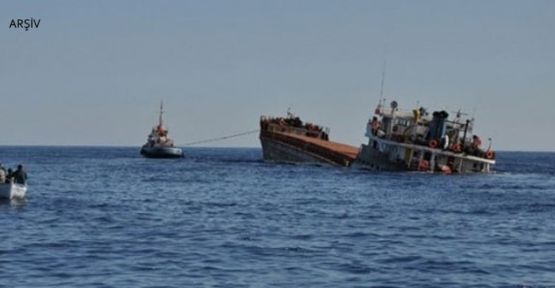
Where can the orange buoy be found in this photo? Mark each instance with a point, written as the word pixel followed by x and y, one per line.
pixel 433 143
pixel 489 154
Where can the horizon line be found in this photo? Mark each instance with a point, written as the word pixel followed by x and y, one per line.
pixel 187 147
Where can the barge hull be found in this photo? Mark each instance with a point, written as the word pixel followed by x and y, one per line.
pixel 276 151
pixel 291 148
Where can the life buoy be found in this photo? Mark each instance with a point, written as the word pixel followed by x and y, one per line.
pixel 456 148
pixel 489 154
pixel 433 143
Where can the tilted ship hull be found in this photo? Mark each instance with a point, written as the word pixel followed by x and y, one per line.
pixel 383 155
pixel 276 151
pixel 286 141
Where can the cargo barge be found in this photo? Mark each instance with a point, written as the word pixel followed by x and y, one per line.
pixel 290 140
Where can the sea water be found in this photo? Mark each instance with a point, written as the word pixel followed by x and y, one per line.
pixel 106 217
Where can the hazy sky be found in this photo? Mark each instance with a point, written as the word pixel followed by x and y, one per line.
pixel 93 73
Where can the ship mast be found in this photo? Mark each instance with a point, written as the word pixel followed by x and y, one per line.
pixel 381 102
pixel 161 112
pixel 383 80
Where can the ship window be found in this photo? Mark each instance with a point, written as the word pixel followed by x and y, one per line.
pixel 402 122
pixel 386 122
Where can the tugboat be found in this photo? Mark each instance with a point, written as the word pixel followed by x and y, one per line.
pixel 417 141
pixel 290 140
pixel 158 144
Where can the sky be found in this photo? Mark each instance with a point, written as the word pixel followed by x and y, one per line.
pixel 94 72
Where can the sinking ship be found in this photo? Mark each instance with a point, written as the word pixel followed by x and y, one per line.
pixel 290 140
pixel 417 140
pixel 158 144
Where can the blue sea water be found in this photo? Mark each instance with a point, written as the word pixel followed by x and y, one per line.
pixel 105 217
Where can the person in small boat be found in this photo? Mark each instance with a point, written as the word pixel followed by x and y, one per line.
pixel 20 176
pixel 2 174
pixel 9 175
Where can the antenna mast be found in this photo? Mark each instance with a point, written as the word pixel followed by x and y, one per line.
pixel 161 112
pixel 381 101
pixel 383 79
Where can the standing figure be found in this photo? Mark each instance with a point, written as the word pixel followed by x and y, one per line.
pixel 20 176
pixel 375 125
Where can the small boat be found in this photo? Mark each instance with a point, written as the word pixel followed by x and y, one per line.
pixel 12 190
pixel 158 144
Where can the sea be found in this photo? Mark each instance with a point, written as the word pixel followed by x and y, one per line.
pixel 222 217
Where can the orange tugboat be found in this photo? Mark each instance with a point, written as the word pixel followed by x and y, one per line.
pixel 290 140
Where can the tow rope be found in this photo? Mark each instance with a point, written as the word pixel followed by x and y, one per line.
pixel 221 138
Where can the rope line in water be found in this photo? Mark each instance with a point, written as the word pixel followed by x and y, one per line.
pixel 221 138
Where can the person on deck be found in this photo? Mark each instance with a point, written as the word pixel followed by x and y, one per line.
pixel 475 147
pixel 375 125
pixel 476 141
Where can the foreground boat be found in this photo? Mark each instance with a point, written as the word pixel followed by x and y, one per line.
pixel 289 140
pixel 415 141
pixel 12 190
pixel 158 144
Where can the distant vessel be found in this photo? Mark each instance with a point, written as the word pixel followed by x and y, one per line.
pixel 416 141
pixel 158 144
pixel 12 190
pixel 289 140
